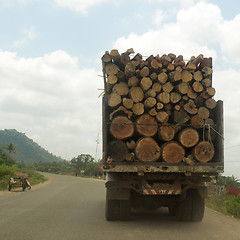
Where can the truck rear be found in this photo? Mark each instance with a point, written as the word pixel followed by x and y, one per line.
pixel 162 134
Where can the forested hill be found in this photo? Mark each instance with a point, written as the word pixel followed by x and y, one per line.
pixel 26 149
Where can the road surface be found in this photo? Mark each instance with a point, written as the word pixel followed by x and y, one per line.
pixel 69 208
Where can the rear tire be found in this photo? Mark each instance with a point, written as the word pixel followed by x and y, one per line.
pixel 124 209
pixel 184 208
pixel 198 206
pixel 112 210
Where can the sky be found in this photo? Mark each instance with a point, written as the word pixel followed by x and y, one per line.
pixel 50 62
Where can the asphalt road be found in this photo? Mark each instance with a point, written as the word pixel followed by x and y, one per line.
pixel 72 208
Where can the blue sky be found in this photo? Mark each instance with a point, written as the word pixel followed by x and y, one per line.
pixel 50 55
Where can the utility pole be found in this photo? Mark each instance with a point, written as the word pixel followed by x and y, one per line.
pixel 97 142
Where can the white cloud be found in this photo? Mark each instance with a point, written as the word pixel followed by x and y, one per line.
pixel 53 100
pixel 158 17
pixel 14 2
pixel 80 6
pixel 182 3
pixel 29 33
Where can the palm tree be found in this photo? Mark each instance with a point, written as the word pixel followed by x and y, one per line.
pixel 10 148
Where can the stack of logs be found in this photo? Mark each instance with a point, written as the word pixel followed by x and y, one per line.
pixel 160 108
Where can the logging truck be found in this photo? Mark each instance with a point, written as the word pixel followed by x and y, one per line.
pixel 162 133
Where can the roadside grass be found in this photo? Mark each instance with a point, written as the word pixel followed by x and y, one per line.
pixel 224 203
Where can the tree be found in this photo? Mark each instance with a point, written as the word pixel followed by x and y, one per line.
pixel 229 181
pixel 10 148
pixel 81 162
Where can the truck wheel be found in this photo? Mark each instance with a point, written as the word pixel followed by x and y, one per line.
pixel 184 208
pixel 124 209
pixel 112 210
pixel 198 206
pixel 172 210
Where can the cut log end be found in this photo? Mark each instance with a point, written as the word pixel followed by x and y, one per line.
pixel 147 150
pixel 188 137
pixel 204 151
pixel 172 152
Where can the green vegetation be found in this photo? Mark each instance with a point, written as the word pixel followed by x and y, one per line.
pixel 221 201
pixel 23 149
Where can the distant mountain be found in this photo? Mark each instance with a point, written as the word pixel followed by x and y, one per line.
pixel 26 149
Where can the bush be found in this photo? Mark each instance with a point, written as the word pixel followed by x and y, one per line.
pixel 233 206
pixel 5 173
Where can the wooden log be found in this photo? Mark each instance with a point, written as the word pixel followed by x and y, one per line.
pixel 203 113
pixel 121 89
pixel 209 121
pixel 146 125
pixel 106 58
pixel 183 88
pixel 150 102
pixel 131 144
pixel 172 56
pixel 133 81
pixel 170 67
pixel 115 55
pixel 154 76
pixel 114 100
pixel 191 94
pixel 111 69
pixel 191 66
pixel 121 127
pixel 117 150
pixel 112 79
pixel 157 87
pixel 175 76
pixel 130 69
pixel 136 94
pixel 147 150
pixel 172 152
pixel 190 107
pixel 198 60
pixel 197 87
pixel 207 71
pixel 175 97
pixel 210 91
pixel 167 87
pixel 162 77
pixel 177 107
pixel 162 116
pixel 166 133
pixel 186 76
pixel 145 83
pixel 152 112
pixel 138 109
pixel 188 137
pixel 198 76
pixel 204 151
pixel 121 76
pixel 159 106
pixel 204 95
pixel 150 93
pixel 199 101
pixel 155 64
pixel 181 116
pixel 196 121
pixel 144 72
pixel 207 82
pixel 130 157
pixel 120 110
pixel 210 103
pixel 164 97
pixel 127 103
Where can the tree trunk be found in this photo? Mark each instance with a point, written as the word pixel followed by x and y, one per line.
pixel 186 76
pixel 138 109
pixel 145 83
pixel 121 89
pixel 162 117
pixel 150 102
pixel 146 125
pixel 121 127
pixel 172 152
pixel 166 133
pixel 111 69
pixel 204 151
pixel 127 103
pixel 120 109
pixel 136 94
pixel 117 150
pixel 147 150
pixel 114 100
pixel 181 116
pixel 188 137
pixel 162 77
